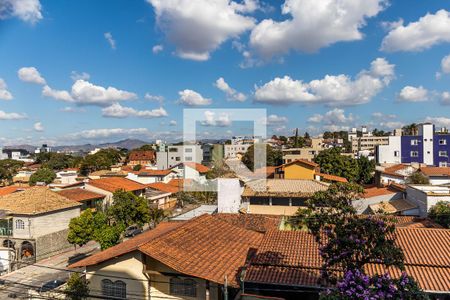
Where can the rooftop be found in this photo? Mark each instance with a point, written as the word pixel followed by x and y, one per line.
pixel 283 187
pixel 436 171
pixel 374 191
pixel 393 206
pixel 11 189
pixel 164 187
pixel 138 155
pixel 199 167
pixel 80 195
pixel 112 184
pixel 35 200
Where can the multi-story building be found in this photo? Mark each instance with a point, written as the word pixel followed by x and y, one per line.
pixel 292 154
pixel 235 150
pixel 174 155
pixel 427 147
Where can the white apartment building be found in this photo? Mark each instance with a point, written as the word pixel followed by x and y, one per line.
pixel 174 155
pixel 235 151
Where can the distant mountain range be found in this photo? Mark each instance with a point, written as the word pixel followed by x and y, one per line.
pixel 127 143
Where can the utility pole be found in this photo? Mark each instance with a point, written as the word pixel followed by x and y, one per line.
pixel 225 289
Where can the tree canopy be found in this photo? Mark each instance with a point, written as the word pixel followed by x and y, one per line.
pixel 102 160
pixel 417 178
pixel 77 287
pixel 273 157
pixel 9 168
pixel 440 213
pixel 129 209
pixel 42 175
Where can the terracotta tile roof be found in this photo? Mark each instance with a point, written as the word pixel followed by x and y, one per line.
pixel 150 172
pixel 292 258
pixel 164 187
pixel 301 161
pixel 35 200
pixel 374 191
pixel 392 206
pixel 128 245
pixel 436 171
pixel 180 182
pixel 109 173
pixel 80 195
pixel 269 171
pixel 205 247
pixel 256 222
pixel 112 184
pixel 399 170
pixel 333 178
pixel 412 222
pixel 283 187
pixel 11 189
pixel 137 155
pixel 199 167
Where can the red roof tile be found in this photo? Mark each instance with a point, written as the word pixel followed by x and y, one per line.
pixel 164 187
pixel 332 177
pixel 153 172
pixel 199 167
pixel 301 161
pixel 80 195
pixel 112 184
pixel 11 189
pixel 147 155
pixel 436 171
pixel 378 191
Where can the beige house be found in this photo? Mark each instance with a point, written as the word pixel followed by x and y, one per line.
pixel 368 143
pixel 308 153
pixel 195 259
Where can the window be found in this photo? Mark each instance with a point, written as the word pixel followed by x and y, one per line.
pixel 116 289
pixel 414 153
pixel 414 142
pixel 173 150
pixel 443 164
pixel 183 287
pixel 442 142
pixel 177 158
pixel 442 153
pixel 396 153
pixel 188 158
pixel 20 224
pixel 188 150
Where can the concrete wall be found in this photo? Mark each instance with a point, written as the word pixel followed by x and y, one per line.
pixel 387 153
pixel 108 195
pixel 52 244
pixel 229 195
pixel 362 205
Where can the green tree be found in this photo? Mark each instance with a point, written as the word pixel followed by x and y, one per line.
pixel 156 216
pixel 9 168
pixel 146 147
pixel 77 287
pixel 366 170
pixel 332 162
pixel 440 213
pixel 102 160
pixel 42 175
pixel 109 236
pixel 82 228
pixel 129 209
pixel 273 156
pixel 417 178
pixel 137 167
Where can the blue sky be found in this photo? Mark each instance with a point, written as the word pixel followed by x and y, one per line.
pixel 316 67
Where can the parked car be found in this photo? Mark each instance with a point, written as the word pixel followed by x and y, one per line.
pixel 132 231
pixel 50 285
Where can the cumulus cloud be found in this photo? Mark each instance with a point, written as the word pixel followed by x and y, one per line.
pixel 438 121
pixel 108 133
pixel 429 30
pixel 274 119
pixel 313 25
pixel 173 123
pixel 111 41
pixel 157 98
pixel 11 116
pixel 413 94
pixel 192 98
pixel 211 119
pixel 118 111
pixel 445 98
pixel 76 76
pixel 157 48
pixel 445 64
pixel 26 10
pixel 382 116
pixel 197 28
pixel 56 94
pixel 4 93
pixel 30 74
pixel 71 109
pixel 391 124
pixel 333 117
pixel 38 126
pixel 231 93
pixel 331 90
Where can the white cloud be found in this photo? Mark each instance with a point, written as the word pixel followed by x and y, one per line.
pixel 30 74
pixel 429 30
pixel 11 116
pixel 197 28
pixel 333 117
pixel 222 120
pixel 56 94
pixel 391 124
pixel 439 121
pixel 26 10
pixel 70 109
pixel 157 48
pixel 275 120
pixel 381 116
pixel 76 76
pixel 445 64
pixel 173 123
pixel 313 25
pixel 38 126
pixel 331 90
pixel 413 94
pixel 118 111
pixel 231 93
pixel 192 98
pixel 157 98
pixel 85 92
pixel 108 132
pixel 4 93
pixel 109 38
pixel 445 98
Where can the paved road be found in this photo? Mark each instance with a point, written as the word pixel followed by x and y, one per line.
pixel 18 283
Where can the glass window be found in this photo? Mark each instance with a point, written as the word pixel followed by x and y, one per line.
pixel 20 224
pixel 396 153
pixel 183 287
pixel 443 153
pixel 442 142
pixel 188 158
pixel 188 150
pixel 117 289
pixel 414 142
pixel 443 164
pixel 414 154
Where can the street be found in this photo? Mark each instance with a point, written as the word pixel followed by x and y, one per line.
pixel 17 283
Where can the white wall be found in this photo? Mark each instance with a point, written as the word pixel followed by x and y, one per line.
pixel 229 195
pixel 427 131
pixel 386 153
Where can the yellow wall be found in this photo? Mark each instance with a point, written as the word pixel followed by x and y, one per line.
pixel 298 171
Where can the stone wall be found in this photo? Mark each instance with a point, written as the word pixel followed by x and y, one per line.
pixel 52 244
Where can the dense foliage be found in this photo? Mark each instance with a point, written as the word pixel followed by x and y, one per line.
pixel 440 213
pixel 350 242
pixel 42 175
pixel 359 170
pixel 417 178
pixel 129 209
pixel 273 157
pixel 102 160
pixel 9 168
pixel 57 161
pixel 77 287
